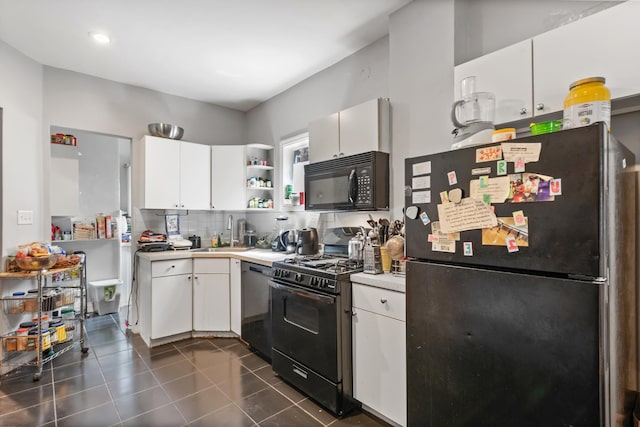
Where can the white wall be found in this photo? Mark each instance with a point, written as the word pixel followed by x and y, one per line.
pixel 23 180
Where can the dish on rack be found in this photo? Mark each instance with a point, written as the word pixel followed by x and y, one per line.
pixel 32 263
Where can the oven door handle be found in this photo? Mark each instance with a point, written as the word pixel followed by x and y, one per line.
pixel 303 293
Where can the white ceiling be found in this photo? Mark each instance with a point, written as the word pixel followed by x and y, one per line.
pixel 234 53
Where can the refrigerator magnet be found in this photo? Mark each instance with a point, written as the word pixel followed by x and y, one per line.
pixel 411 212
pixel 487 154
pixel 501 167
pixel 486 198
pixel 518 166
pixel 512 246
pixel 425 218
pixel 519 219
pixel 444 197
pixel 555 187
pixel 432 238
pixel 453 179
pixel 467 248
pixel 484 182
pixel 455 195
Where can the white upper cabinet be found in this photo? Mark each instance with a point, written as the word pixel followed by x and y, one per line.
pixel 195 182
pixel 604 44
pixel 228 177
pixel 65 180
pixel 176 174
pixel 324 138
pixel 365 127
pixel 161 173
pixel 362 128
pixel 507 74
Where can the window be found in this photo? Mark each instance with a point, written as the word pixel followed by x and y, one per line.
pixel 295 154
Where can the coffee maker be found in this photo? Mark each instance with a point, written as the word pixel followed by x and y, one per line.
pixel 280 240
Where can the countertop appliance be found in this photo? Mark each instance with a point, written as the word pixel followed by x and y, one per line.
pixel 351 183
pixel 307 241
pixel 472 115
pixel 311 320
pixel 531 319
pixel 256 308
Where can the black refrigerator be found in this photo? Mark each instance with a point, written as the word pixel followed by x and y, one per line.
pixel 521 283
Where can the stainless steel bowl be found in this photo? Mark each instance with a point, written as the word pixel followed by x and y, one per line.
pixel 165 130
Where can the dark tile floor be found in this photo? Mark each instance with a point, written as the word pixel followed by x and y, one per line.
pixel 121 382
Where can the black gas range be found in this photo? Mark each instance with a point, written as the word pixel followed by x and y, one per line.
pixel 311 327
pixel 322 273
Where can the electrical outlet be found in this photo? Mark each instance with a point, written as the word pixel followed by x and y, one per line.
pixel 25 217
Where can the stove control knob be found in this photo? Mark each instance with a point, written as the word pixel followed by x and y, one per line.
pixel 313 281
pixel 323 283
pixel 298 277
pixel 276 273
pixel 286 273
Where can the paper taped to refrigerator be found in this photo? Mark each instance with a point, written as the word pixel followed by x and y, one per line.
pixel 420 182
pixel 422 168
pixel 528 152
pixel 498 188
pixel 421 197
pixel 469 214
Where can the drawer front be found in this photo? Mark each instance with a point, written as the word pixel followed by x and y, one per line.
pixel 170 267
pixel 380 301
pixel 211 265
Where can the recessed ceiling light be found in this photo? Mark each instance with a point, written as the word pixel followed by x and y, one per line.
pixel 100 38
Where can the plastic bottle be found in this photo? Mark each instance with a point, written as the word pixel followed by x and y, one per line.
pixel 588 101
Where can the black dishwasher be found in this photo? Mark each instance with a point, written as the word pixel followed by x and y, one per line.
pixel 256 308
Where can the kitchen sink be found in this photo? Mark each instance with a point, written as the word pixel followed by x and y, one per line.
pixel 222 249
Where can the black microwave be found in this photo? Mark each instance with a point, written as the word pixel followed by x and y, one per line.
pixel 351 183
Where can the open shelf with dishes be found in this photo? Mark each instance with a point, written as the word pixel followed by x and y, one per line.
pixel 259 177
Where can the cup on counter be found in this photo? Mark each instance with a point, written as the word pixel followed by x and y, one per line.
pixel 295 199
pixel 386 259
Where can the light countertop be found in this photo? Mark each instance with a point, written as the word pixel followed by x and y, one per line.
pixel 259 256
pixel 384 281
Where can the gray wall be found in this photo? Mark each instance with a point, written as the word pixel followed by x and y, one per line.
pixel 483 26
pixel 23 143
pixel 421 78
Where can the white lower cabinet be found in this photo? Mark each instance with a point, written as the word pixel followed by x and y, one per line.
pixel 236 296
pixel 166 298
pixel 211 295
pixel 379 353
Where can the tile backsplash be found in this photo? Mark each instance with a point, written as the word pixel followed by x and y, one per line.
pixel 208 223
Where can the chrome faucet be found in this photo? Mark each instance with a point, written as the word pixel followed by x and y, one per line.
pixel 230 227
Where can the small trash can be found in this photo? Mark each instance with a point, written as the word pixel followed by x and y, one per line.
pixel 105 295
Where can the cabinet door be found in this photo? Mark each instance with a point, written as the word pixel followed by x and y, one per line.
pixel 161 173
pixel 211 302
pixel 64 180
pixel 379 364
pixel 171 305
pixel 236 297
pixel 598 45
pixel 360 128
pixel 227 177
pixel 195 176
pixel 507 73
pixel 324 138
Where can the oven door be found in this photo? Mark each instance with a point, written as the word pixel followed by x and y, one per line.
pixel 305 327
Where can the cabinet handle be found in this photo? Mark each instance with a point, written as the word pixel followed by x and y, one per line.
pixel 540 106
pixel 176 205
pixel 341 155
pixel 173 266
pixel 335 156
pixel 354 314
pixel 523 111
pixel 195 277
pixel 383 301
pixel 188 277
pixel 182 206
